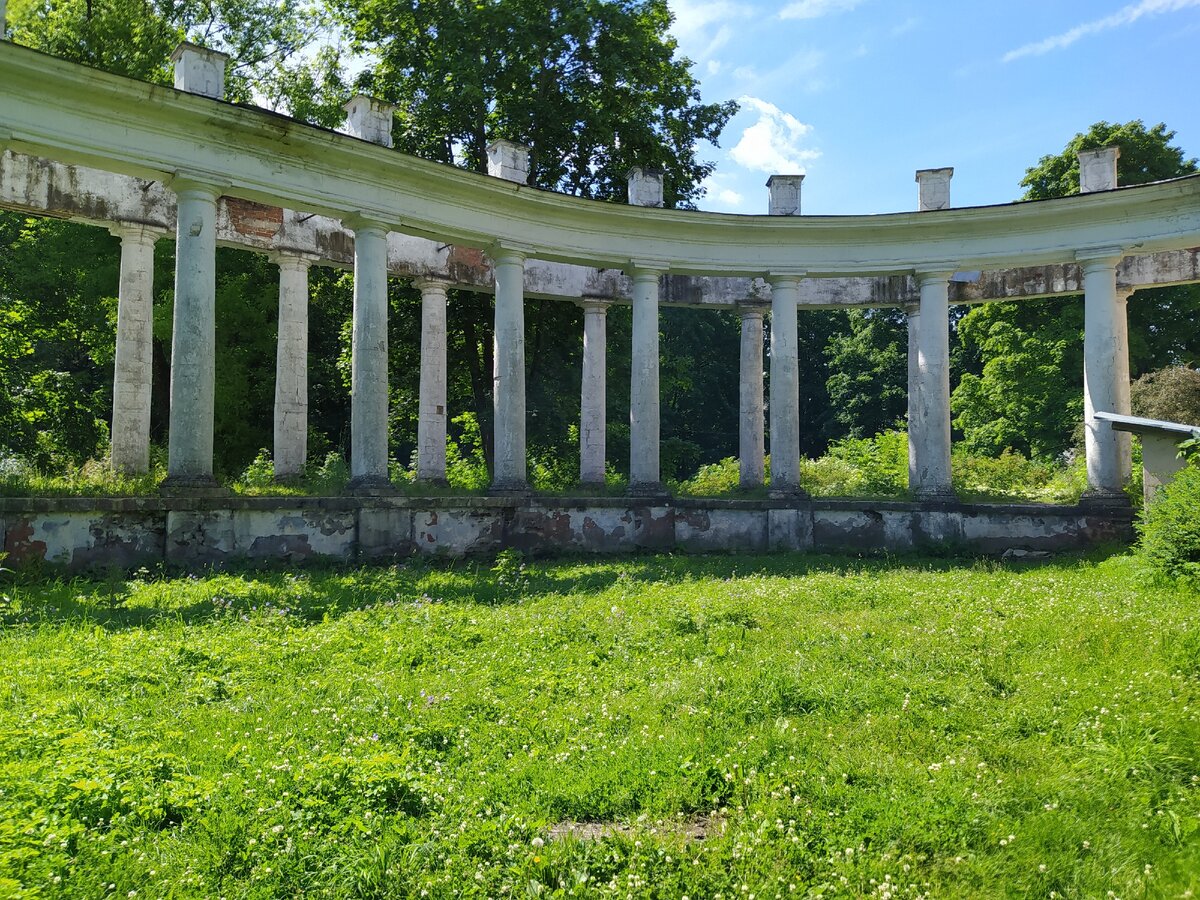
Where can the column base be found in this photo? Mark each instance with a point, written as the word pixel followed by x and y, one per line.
pixel 370 486
pixel 786 492
pixel 649 490
pixel 1110 499
pixel 936 495
pixel 192 486
pixel 510 488
pixel 437 482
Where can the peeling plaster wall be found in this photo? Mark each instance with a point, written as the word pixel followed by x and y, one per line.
pixel 42 187
pixel 81 533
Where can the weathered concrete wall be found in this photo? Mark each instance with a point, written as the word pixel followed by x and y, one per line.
pixel 83 533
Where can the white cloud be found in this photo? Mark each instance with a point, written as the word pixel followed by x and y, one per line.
pixel 702 27
pixel 773 144
pixel 730 198
pixel 815 9
pixel 1125 16
pixel 800 70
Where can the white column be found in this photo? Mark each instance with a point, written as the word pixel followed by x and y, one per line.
pixel 785 385
pixel 1105 373
pixel 291 367
pixel 508 373
pixel 431 415
pixel 593 393
pixel 135 344
pixel 751 433
pixel 369 359
pixel 913 311
pixel 1124 400
pixel 644 474
pixel 929 429
pixel 193 338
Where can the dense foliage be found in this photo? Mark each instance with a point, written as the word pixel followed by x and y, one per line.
pixel 1170 526
pixel 1023 383
pixel 654 726
pixel 592 88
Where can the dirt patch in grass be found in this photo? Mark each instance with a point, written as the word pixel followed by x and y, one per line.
pixel 695 828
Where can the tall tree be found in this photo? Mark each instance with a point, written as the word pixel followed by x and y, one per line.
pixel 592 87
pixel 58 279
pixel 1025 389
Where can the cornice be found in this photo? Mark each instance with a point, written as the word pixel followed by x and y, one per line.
pixel 68 112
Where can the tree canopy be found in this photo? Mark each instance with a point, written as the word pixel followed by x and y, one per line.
pixel 1025 388
pixel 592 87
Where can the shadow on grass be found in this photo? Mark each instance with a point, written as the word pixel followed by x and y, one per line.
pixel 321 593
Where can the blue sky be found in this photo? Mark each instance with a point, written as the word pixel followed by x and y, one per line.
pixel 858 94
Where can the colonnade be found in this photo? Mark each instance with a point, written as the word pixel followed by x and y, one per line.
pixel 1106 369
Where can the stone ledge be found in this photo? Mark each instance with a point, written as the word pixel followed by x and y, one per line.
pixel 340 503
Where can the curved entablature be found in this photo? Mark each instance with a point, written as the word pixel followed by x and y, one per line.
pixel 68 112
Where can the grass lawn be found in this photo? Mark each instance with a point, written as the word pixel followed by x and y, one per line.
pixel 749 727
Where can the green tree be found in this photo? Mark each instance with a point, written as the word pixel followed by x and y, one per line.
pixel 1024 388
pixel 868 360
pixel 58 280
pixel 593 88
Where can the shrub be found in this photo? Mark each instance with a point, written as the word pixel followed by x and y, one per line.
pixel 330 476
pixel 714 479
pixel 1011 475
pixel 1170 526
pixel 261 471
pixel 1171 394
pixel 881 461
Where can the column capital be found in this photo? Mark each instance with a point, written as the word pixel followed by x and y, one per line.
pixel 643 269
pixel 934 276
pixel 361 222
pixel 751 310
pixel 505 252
pixel 785 277
pixel 594 306
pixel 912 308
pixel 137 232
pixel 432 284
pixel 190 183
pixel 1096 259
pixel 292 259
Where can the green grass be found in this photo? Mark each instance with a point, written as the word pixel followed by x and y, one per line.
pixel 722 726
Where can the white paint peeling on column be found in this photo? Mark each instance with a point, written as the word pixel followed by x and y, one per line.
pixel 644 435
pixel 593 394
pixel 291 367
pixel 752 427
pixel 785 385
pixel 193 337
pixel 913 313
pixel 508 373
pixel 134 350
pixel 369 364
pixel 1124 398
pixel 929 431
pixel 431 414
pixel 1105 366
